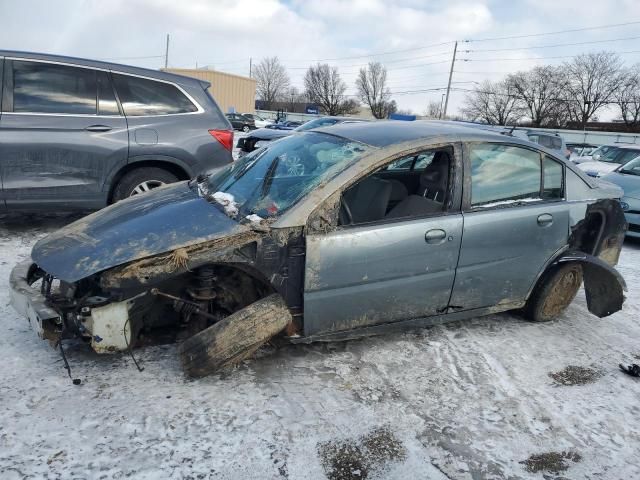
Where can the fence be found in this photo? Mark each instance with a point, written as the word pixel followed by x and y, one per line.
pixel 569 136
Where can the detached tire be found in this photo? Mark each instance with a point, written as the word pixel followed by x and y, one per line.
pixel 235 338
pixel 130 184
pixel 554 293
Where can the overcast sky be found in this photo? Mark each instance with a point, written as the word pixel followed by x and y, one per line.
pixel 226 33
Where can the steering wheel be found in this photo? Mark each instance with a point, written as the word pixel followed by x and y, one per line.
pixel 347 210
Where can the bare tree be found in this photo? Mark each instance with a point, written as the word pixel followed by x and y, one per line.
pixel 591 81
pixel 325 88
pixel 628 96
pixel 492 102
pixel 433 109
pixel 538 91
pixel 372 89
pixel 272 80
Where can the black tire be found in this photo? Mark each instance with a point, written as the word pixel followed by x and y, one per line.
pixel 234 338
pixel 128 183
pixel 554 293
pixel 246 128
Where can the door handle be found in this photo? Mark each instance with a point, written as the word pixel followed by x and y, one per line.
pixel 545 219
pixel 98 128
pixel 436 235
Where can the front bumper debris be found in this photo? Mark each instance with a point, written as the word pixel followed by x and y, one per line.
pixel 29 302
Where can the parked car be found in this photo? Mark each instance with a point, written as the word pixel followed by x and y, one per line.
pixel 581 149
pixel 601 164
pixel 627 177
pixel 260 122
pixel 263 136
pixel 593 155
pixel 552 141
pixel 284 125
pixel 350 230
pixel 80 134
pixel 240 122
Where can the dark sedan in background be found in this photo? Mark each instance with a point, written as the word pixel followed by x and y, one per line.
pixel 262 136
pixel 240 122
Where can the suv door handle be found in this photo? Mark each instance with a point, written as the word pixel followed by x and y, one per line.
pixel 436 235
pixel 545 219
pixel 98 128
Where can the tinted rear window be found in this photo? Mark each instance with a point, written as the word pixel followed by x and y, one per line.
pixel 48 88
pixel 141 96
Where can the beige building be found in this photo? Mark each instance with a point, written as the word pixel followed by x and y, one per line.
pixel 230 91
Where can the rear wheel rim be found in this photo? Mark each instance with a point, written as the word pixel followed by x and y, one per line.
pixel 245 129
pixel 562 293
pixel 145 186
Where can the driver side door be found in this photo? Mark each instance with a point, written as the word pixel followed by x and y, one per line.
pixel 386 270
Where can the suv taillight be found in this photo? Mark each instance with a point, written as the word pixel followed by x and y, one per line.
pixel 225 137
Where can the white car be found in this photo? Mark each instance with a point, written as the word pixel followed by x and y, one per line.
pixel 601 164
pixel 260 121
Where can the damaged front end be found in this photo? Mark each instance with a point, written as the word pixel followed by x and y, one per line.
pixel 56 312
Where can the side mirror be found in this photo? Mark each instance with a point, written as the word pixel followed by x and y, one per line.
pixel 596 157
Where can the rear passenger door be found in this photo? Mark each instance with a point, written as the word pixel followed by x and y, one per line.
pixel 158 114
pixel 61 135
pixel 515 220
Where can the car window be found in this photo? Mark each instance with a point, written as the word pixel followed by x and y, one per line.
pixel 48 88
pixel 412 162
pixel 107 103
pixel 626 156
pixel 631 168
pixel 141 96
pixel 269 180
pixel 553 176
pixel 503 173
pixel 556 143
pixel 317 123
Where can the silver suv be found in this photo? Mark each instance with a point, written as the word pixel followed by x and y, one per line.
pixel 80 134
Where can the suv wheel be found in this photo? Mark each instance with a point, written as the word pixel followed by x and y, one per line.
pixel 141 180
pixel 246 128
pixel 553 294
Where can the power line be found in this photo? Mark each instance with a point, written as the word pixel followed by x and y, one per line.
pixel 532 58
pixel 554 46
pixel 558 32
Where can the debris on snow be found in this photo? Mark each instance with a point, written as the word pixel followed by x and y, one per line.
pixel 552 462
pixel 575 375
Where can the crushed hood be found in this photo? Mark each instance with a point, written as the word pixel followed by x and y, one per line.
pixel 160 221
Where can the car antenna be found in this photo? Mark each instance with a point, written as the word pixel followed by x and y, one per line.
pixel 75 381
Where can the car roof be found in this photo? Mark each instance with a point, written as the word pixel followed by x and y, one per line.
pixel 384 133
pixel 143 72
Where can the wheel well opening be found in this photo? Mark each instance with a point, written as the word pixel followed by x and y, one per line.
pixel 169 167
pixel 587 235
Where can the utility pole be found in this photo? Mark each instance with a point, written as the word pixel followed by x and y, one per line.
pixel 440 109
pixel 446 101
pixel 250 67
pixel 166 53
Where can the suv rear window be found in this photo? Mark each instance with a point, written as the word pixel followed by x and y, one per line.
pixel 49 88
pixel 141 96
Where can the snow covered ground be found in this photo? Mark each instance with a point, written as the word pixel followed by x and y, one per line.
pixel 468 400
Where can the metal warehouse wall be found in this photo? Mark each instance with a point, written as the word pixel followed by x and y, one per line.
pixel 230 91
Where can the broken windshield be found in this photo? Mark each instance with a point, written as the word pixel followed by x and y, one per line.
pixel 268 181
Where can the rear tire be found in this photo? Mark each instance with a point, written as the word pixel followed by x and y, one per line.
pixel 554 293
pixel 235 338
pixel 133 182
pixel 246 128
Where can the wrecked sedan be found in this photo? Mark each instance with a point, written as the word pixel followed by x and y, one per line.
pixel 350 230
